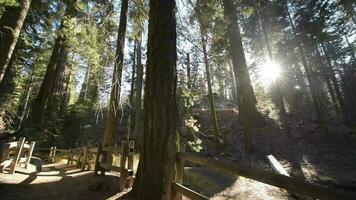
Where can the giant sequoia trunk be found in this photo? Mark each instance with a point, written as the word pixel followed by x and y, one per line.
pixel 10 26
pixel 246 96
pixel 160 106
pixel 110 129
pixel 39 104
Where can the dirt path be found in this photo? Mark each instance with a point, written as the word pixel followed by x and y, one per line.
pixel 60 182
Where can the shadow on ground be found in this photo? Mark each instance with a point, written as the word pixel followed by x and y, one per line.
pixel 58 182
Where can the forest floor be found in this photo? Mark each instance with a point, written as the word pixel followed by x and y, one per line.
pixel 307 153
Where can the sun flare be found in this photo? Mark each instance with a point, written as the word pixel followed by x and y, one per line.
pixel 269 72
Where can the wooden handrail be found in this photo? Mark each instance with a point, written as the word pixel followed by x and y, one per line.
pixel 188 192
pixel 290 184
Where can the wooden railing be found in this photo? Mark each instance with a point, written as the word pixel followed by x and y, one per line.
pixel 70 153
pixel 104 163
pixel 236 169
pixel 15 153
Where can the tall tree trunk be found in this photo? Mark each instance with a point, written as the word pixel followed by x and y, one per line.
pixel 214 120
pixel 336 85
pixel 233 85
pixel 160 106
pixel 138 97
pixel 326 76
pixel 10 26
pixel 246 96
pixel 40 102
pixel 110 129
pixel 322 120
pixel 132 89
pixel 58 89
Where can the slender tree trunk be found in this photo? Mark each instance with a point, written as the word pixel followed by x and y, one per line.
pixel 110 129
pixel 326 76
pixel 214 120
pixel 339 96
pixel 10 26
pixel 133 70
pixel 246 96
pixel 322 120
pixel 26 102
pixel 160 106
pixel 132 89
pixel 189 80
pixel 138 99
pixel 84 90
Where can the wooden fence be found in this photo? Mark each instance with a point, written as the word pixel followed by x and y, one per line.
pixel 236 169
pixel 104 163
pixel 16 153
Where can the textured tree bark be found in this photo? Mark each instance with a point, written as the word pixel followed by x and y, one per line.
pixel 138 97
pixel 214 120
pixel 246 96
pixel 110 129
pixel 233 85
pixel 10 26
pixel 160 106
pixel 132 89
pixel 39 104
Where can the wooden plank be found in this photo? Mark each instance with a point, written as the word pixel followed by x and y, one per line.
pixel 85 157
pixel 62 150
pixel 93 150
pixel 11 145
pixel 17 155
pixel 191 194
pixel 277 167
pixel 110 167
pixel 42 149
pixel 29 154
pixel 281 181
pixel 26 146
pixel 97 160
pixel 113 149
pixel 5 164
pixel 123 171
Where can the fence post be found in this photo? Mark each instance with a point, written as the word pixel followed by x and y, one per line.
pixel 54 153
pixel 97 160
pixel 85 157
pixel 123 170
pixel 29 154
pixel 130 162
pixel 17 155
pixel 179 173
pixel 69 156
pixel 50 154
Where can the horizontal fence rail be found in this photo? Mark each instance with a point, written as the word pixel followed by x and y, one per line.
pixel 281 181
